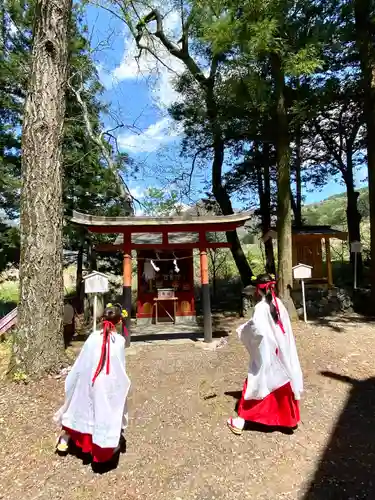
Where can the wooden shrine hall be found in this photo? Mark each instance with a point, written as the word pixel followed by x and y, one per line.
pixel 164 248
pixel 308 249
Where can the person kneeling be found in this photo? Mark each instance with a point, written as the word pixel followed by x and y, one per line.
pixel 94 414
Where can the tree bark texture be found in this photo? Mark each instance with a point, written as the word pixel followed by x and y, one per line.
pixel 284 210
pixel 38 342
pixel 353 216
pixel 264 193
pixel 298 167
pixel 219 191
pixel 365 31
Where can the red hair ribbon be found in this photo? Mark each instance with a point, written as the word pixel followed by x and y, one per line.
pixel 108 327
pixel 270 285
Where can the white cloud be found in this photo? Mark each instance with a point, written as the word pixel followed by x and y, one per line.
pixel 137 191
pixel 153 138
pixel 105 77
pixel 162 93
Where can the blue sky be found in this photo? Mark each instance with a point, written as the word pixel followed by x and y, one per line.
pixel 139 94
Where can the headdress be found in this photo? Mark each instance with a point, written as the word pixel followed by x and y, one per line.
pixel 269 286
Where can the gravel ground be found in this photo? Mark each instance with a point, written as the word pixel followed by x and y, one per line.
pixel 178 446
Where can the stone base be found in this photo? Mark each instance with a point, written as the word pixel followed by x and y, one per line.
pixel 324 301
pixel 180 320
pixel 186 320
pixel 144 321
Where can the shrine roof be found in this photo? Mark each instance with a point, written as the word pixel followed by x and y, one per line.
pixel 156 238
pixel 178 223
pixel 309 230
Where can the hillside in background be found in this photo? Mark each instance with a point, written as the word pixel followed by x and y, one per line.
pixel 332 211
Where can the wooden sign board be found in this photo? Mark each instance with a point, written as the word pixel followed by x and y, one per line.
pixel 356 247
pixel 96 283
pixel 302 272
pixel 165 293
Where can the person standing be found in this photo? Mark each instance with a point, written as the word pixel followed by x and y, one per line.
pixel 274 383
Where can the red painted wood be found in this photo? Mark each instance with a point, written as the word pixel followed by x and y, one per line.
pixel 109 247
pixel 165 239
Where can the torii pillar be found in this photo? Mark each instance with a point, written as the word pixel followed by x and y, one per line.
pixel 206 299
pixel 127 283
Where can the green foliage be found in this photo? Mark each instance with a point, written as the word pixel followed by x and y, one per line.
pixel 332 211
pixel 9 293
pixel 158 202
pixel 89 185
pixel 20 377
pixel 303 62
pixel 9 245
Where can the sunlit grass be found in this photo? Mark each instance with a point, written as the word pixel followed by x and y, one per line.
pixel 9 292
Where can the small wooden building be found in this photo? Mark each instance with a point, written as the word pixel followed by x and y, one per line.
pixel 159 241
pixel 310 243
pixel 174 272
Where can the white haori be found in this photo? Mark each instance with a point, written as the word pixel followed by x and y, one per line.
pixel 273 354
pixel 99 409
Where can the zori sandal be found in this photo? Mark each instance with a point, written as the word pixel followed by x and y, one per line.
pixel 233 428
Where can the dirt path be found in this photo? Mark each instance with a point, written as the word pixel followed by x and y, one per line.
pixel 178 447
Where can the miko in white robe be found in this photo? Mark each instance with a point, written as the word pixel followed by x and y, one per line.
pixel 274 383
pixel 95 412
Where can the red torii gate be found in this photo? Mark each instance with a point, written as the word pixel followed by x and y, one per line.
pixel 126 226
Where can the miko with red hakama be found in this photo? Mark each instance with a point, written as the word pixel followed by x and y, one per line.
pixel 95 412
pixel 274 383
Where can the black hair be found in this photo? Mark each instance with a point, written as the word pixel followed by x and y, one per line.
pixel 113 313
pixel 262 280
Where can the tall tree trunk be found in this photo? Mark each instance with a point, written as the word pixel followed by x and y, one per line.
pixel 80 292
pixel 91 257
pixel 298 167
pixel 293 205
pixel 38 342
pixel 353 216
pixel 284 211
pixel 365 30
pixel 264 192
pixel 219 191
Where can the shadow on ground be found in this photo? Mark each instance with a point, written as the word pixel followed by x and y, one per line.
pixel 194 336
pixel 338 323
pixel 347 468
pixel 98 468
pixel 154 333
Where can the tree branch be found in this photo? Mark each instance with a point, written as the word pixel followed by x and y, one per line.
pixel 200 150
pixel 98 141
pixel 330 147
pixel 181 54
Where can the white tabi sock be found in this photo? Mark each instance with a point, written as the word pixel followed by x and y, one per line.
pixel 238 422
pixel 64 438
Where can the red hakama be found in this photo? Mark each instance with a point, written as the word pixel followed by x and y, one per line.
pixel 278 409
pixel 84 443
